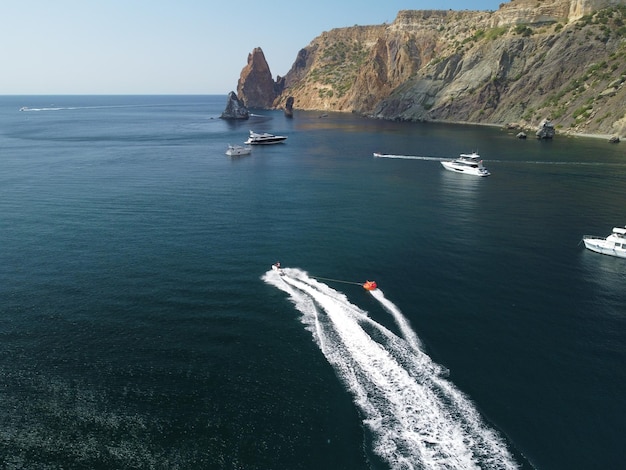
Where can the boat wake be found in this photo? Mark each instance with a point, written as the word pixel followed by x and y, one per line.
pixel 74 108
pixel 415 415
pixel 526 162
pixel 25 109
pixel 409 157
pixel 543 162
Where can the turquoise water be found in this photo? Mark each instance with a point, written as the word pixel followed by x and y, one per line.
pixel 141 325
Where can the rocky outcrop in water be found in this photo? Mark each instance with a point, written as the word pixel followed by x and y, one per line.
pixel 545 130
pixel 235 109
pixel 289 107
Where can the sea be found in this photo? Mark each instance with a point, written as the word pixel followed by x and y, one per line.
pixel 143 327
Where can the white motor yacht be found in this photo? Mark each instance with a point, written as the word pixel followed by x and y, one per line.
pixel 264 138
pixel 469 163
pixel 236 150
pixel 613 245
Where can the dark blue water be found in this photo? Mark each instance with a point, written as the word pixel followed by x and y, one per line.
pixel 141 325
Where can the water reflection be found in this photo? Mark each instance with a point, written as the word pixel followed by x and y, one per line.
pixel 608 276
pixel 460 190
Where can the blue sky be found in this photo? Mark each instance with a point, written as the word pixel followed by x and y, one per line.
pixel 169 47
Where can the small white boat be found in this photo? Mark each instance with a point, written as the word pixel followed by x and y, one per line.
pixel 469 163
pixel 264 138
pixel 236 150
pixel 613 245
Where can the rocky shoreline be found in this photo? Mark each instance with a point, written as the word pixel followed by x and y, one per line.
pixel 606 137
pixel 527 60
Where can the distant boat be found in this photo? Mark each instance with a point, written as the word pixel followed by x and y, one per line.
pixel 469 163
pixel 24 108
pixel 236 150
pixel 264 138
pixel 613 245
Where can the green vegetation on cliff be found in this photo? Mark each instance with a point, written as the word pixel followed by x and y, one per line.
pixel 511 66
pixel 337 68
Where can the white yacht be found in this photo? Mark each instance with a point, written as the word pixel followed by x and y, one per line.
pixel 264 138
pixel 469 163
pixel 236 150
pixel 613 245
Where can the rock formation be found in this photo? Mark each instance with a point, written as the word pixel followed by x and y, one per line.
pixel 255 87
pixel 289 107
pixel 235 109
pixel 560 58
pixel 545 130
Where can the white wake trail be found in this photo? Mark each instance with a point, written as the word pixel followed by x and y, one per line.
pixel 416 417
pixel 508 162
pixel 409 157
pixel 407 332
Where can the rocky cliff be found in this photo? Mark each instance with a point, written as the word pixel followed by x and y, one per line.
pixel 256 88
pixel 529 60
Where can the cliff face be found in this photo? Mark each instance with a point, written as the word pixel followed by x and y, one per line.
pixel 563 59
pixel 256 88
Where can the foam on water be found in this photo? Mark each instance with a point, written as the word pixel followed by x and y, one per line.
pixel 526 162
pixel 403 324
pixel 417 417
pixel 409 157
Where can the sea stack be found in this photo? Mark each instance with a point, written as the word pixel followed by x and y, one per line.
pixel 289 107
pixel 235 109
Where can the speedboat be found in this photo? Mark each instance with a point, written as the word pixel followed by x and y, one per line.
pixel 469 163
pixel 613 245
pixel 236 150
pixel 264 138
pixel 276 267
